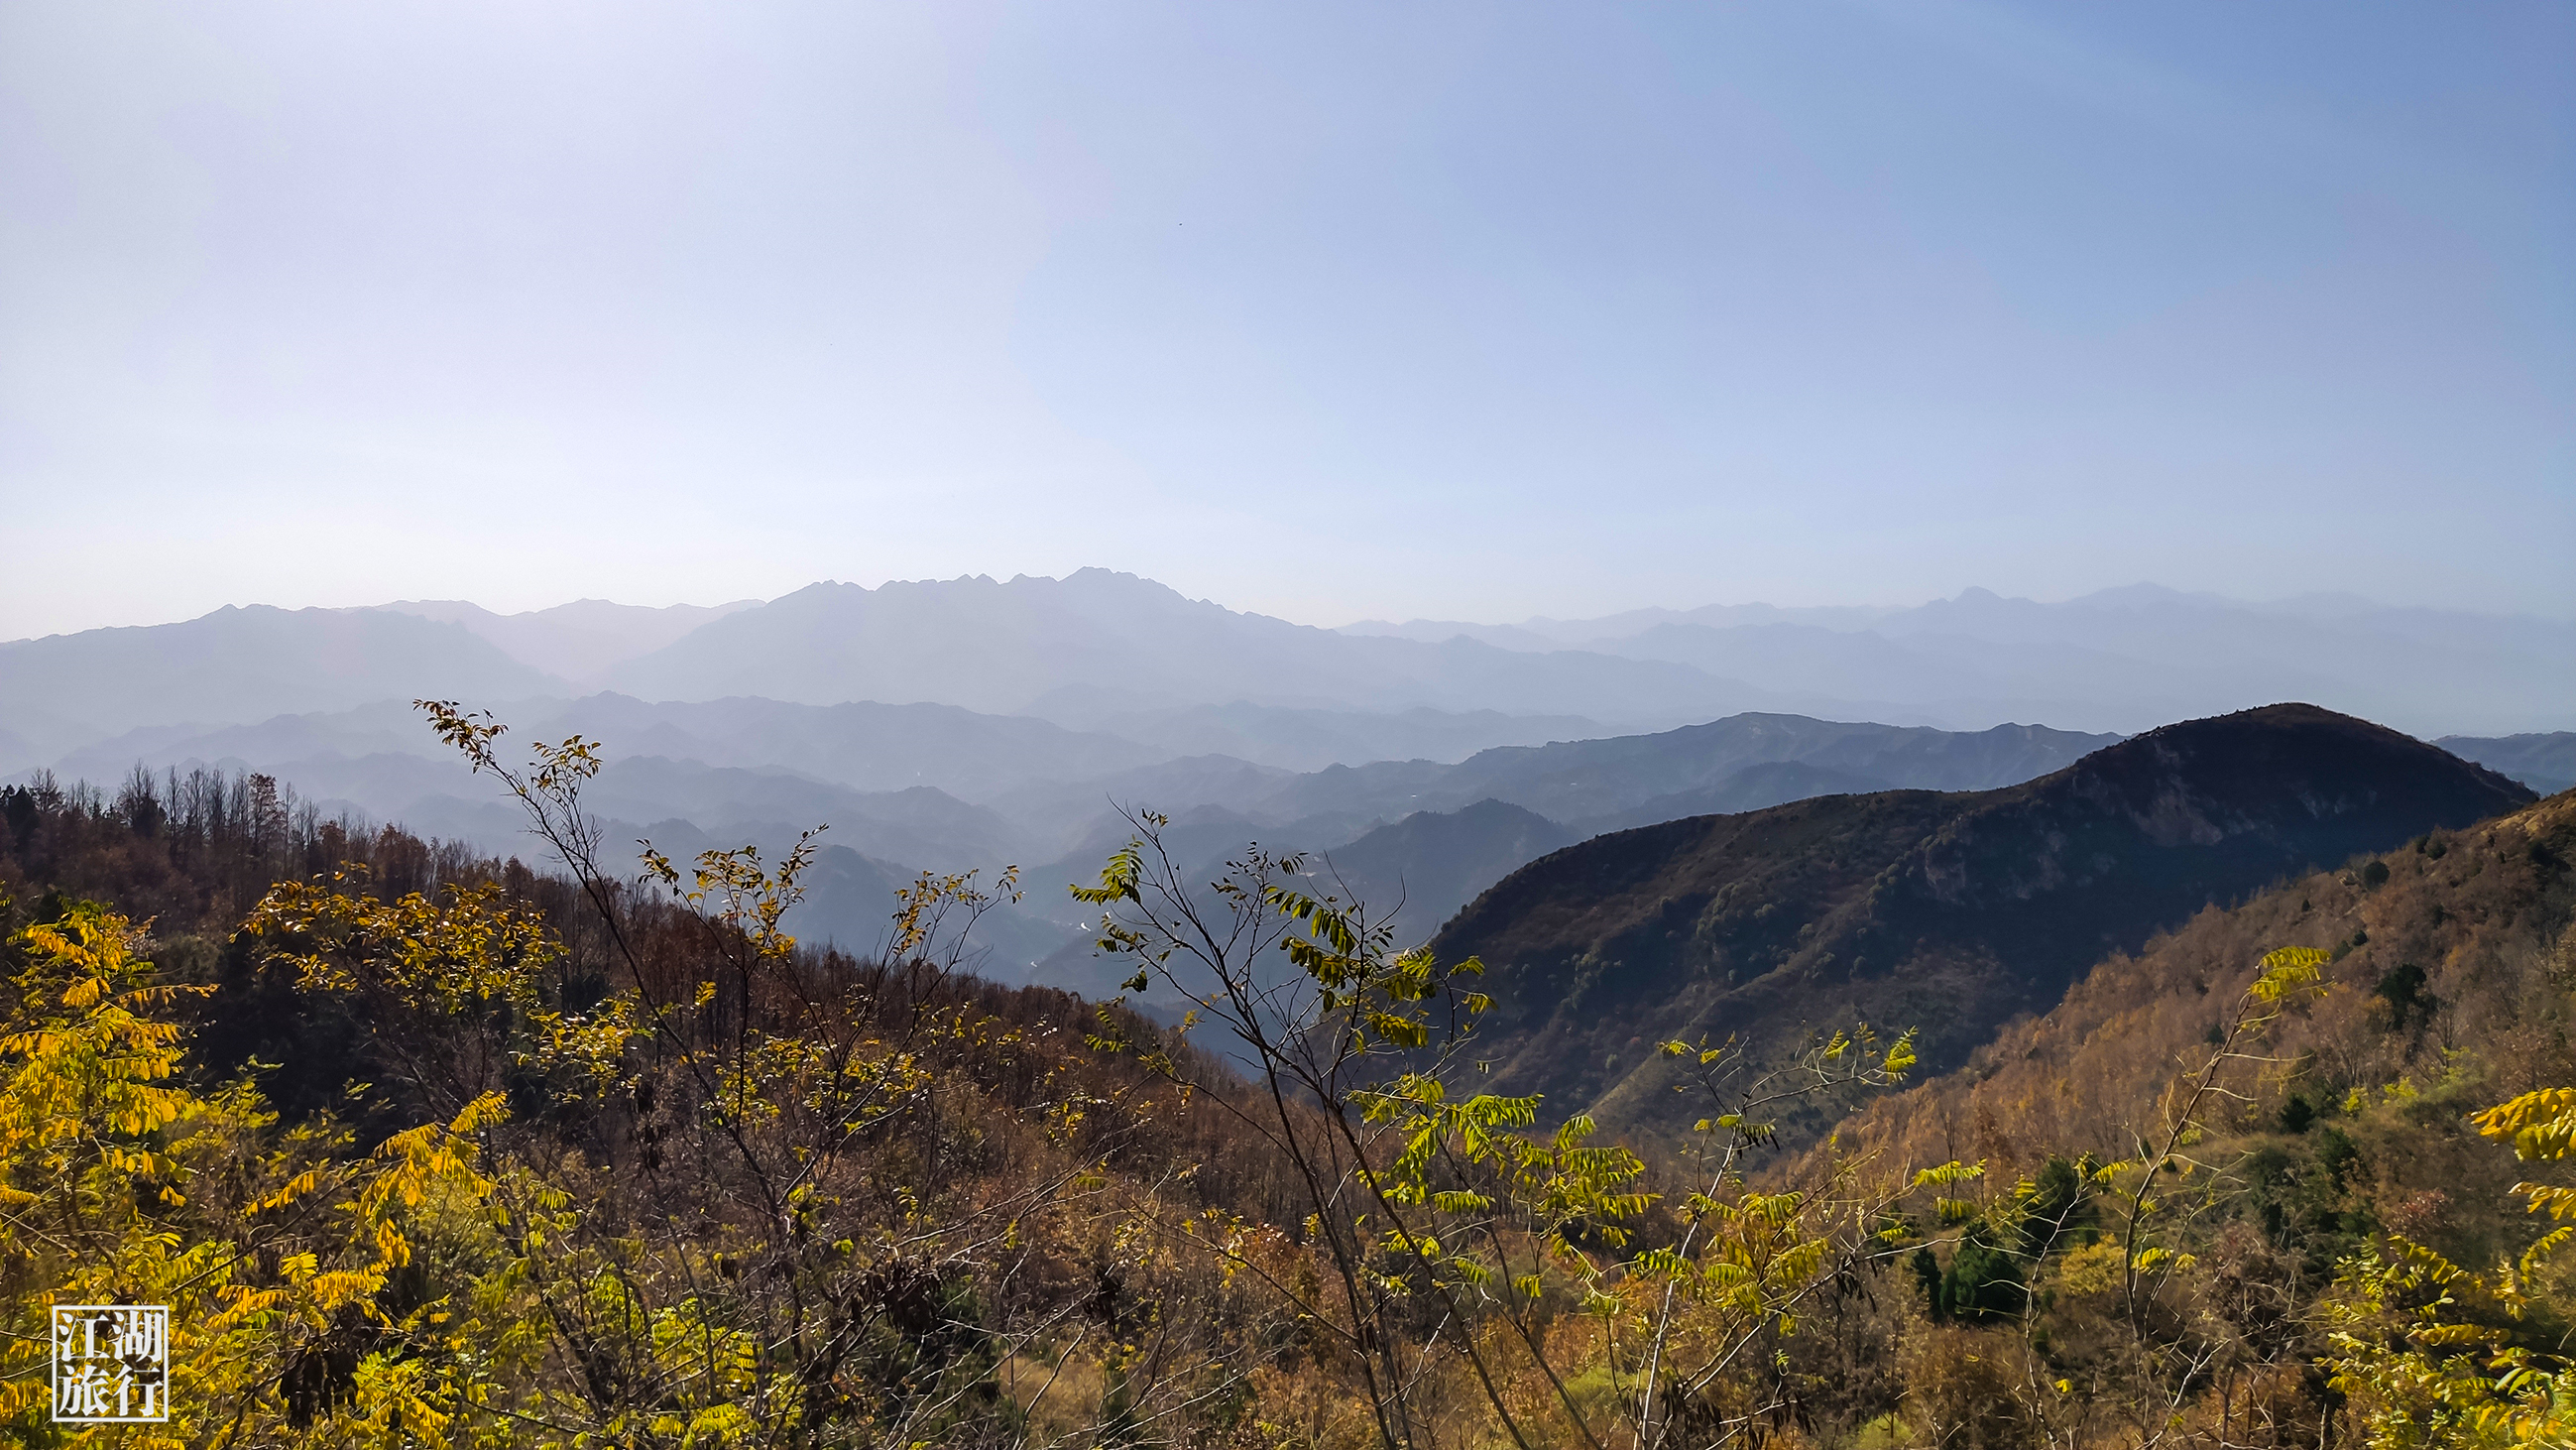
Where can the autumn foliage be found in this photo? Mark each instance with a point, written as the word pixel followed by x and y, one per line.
pixel 427 1149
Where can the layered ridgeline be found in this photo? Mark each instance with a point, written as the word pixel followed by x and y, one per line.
pixel 1947 913
pixel 908 787
pixel 1104 651
pixel 2545 762
pixel 66 691
pixel 1098 645
pixel 2121 658
pixel 977 723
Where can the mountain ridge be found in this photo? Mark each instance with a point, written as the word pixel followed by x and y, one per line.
pixel 1952 912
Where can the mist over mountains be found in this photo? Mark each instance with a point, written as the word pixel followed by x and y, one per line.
pixel 579 641
pixel 2121 659
pixel 970 723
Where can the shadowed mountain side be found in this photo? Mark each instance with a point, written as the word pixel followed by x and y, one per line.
pixel 1077 816
pixel 2546 763
pixel 236 665
pixel 1003 647
pixel 1201 841
pixel 850 902
pixel 1952 913
pixel 1313 739
pixel 1418 872
pixel 1589 779
pixel 2454 946
pixel 917 827
pixel 1772 783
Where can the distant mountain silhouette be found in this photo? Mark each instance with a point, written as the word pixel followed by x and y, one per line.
pixel 1099 651
pixel 1591 779
pixel 1951 913
pixel 1097 640
pixel 1771 783
pixel 2546 763
pixel 862 746
pixel 577 641
pixel 240 665
pixel 1419 871
pixel 2119 659
pixel 1313 739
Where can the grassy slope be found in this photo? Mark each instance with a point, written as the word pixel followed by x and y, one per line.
pixel 2484 915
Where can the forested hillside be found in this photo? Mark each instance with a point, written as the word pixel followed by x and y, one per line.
pixel 428 1147
pixel 1945 913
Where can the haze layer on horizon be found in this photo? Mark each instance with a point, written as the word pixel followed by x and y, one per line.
pixel 1326 312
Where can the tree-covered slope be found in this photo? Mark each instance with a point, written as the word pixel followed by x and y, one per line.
pixel 1951 913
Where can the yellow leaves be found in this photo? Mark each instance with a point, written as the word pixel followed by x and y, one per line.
pixel 1900 1058
pixel 2288 970
pixel 343 1287
pixel 1794 1267
pixel 486 1111
pixel 1952 1172
pixel 2095 1268
pixel 2543 1198
pixel 2421 1375
pixel 447 957
pixel 2541 1126
pixel 1400 1031
pixel 1118 877
pixel 134 1166
pixel 2150 1259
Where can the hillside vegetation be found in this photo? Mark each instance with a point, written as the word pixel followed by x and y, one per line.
pixel 427 1148
pixel 1946 913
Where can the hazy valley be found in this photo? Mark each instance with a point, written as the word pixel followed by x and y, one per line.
pixel 969 725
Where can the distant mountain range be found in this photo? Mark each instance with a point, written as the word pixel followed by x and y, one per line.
pixel 974 722
pixel 2544 762
pixel 2121 659
pixel 904 787
pixel 1110 652
pixel 1096 644
pixel 235 666
pixel 580 641
pixel 1947 912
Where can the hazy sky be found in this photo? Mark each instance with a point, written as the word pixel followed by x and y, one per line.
pixel 1467 311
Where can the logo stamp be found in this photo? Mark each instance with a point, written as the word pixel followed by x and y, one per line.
pixel 111 1363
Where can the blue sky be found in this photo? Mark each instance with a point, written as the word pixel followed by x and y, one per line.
pixel 1471 311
